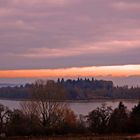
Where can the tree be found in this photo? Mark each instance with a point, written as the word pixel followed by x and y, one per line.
pixel 64 121
pixel 118 119
pixel 4 117
pixel 21 124
pixel 47 96
pixel 98 119
pixel 29 108
pixel 134 120
pixel 31 114
pixel 17 125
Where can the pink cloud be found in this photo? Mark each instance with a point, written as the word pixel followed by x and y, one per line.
pixel 126 5
pixel 112 46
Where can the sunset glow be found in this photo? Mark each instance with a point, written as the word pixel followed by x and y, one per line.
pixel 69 38
pixel 114 71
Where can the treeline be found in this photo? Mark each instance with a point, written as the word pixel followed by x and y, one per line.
pixel 80 89
pixel 45 115
pixel 63 121
pixel 120 120
pixel 17 92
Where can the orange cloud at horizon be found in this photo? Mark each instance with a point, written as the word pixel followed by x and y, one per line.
pixel 114 71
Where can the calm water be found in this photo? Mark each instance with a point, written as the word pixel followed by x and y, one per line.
pixel 79 107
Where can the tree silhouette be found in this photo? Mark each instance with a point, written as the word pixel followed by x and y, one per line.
pixel 98 119
pixel 134 121
pixel 118 119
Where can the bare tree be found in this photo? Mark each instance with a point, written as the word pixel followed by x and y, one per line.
pixel 29 108
pixel 4 117
pixel 47 102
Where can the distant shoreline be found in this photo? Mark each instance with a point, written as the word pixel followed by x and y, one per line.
pixel 81 101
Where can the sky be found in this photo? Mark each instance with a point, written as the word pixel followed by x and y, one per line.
pixel 69 38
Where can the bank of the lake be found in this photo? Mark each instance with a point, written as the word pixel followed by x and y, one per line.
pixel 79 107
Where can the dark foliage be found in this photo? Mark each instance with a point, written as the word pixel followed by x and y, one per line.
pixel 17 92
pixel 118 120
pixel 102 120
pixel 78 90
pixel 99 118
pixel 134 120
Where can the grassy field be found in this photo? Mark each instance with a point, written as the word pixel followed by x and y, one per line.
pixel 79 138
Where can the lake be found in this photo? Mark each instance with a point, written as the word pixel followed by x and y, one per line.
pixel 82 107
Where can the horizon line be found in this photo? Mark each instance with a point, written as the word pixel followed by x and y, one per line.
pixel 89 71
